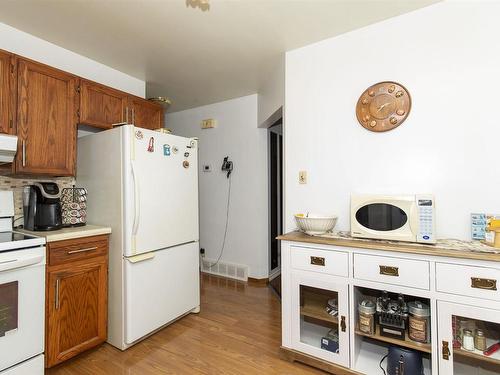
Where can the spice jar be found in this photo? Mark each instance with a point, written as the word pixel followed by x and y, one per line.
pixel 480 340
pixel 419 328
pixel 468 340
pixel 366 311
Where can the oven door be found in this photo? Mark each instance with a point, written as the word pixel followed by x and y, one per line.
pixel 22 300
pixel 384 217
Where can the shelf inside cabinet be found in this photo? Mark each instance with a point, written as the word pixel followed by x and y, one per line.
pixel 314 306
pixel 406 343
pixel 477 355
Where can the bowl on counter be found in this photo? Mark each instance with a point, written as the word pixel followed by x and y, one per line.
pixel 315 224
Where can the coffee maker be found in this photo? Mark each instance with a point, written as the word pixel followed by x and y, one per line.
pixel 42 206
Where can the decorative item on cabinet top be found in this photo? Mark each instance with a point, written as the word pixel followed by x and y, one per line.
pixel 383 106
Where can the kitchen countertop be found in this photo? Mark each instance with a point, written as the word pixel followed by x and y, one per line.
pixel 445 248
pixel 69 233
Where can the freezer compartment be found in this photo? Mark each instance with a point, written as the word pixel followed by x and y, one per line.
pixel 159 287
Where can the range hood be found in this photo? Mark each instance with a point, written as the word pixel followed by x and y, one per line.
pixel 8 148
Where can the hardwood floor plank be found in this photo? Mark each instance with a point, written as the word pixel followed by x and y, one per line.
pixel 238 331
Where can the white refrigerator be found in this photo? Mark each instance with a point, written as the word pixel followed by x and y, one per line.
pixel 144 184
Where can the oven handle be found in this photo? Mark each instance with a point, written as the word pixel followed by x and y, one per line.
pixel 7 265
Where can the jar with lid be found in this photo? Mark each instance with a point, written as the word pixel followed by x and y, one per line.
pixel 366 312
pixel 419 327
pixel 468 340
pixel 480 340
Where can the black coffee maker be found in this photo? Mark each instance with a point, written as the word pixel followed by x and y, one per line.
pixel 42 206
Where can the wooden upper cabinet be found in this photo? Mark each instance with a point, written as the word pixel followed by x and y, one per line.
pixel 7 92
pixel 102 106
pixel 146 114
pixel 47 105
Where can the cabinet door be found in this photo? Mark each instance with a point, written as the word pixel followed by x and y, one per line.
pixel 77 310
pixel 102 106
pixel 455 355
pixel 47 116
pixel 319 318
pixel 7 92
pixel 146 114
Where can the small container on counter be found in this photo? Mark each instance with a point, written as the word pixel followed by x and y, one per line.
pixel 468 340
pixel 419 327
pixel 480 340
pixel 366 312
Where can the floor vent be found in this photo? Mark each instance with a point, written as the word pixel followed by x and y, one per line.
pixel 225 269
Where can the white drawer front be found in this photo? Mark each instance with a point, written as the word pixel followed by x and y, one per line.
pixel 480 282
pixel 392 270
pixel 324 261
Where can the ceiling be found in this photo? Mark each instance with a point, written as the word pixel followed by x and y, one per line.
pixel 195 57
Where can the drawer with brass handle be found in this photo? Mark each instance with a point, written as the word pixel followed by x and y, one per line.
pixel 61 252
pixel 389 270
pixel 318 260
pixel 473 281
pixel 392 270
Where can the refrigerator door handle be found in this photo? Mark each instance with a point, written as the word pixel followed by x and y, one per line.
pixel 137 208
pixel 141 257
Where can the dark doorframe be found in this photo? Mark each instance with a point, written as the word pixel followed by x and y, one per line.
pixel 275 162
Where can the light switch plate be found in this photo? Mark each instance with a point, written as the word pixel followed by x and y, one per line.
pixel 208 123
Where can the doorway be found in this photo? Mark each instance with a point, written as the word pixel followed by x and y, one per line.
pixel 275 160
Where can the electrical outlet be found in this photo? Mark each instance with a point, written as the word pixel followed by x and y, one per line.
pixel 302 177
pixel 209 123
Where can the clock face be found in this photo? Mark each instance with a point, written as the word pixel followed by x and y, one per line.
pixel 383 106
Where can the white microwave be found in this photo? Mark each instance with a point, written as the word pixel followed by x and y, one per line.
pixel 410 218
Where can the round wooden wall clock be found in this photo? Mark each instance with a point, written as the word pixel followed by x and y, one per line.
pixel 383 106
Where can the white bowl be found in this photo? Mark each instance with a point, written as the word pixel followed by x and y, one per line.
pixel 314 224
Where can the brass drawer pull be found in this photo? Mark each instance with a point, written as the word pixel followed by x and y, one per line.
pixel 389 270
pixel 82 250
pixel 446 351
pixel 479 283
pixel 342 323
pixel 318 261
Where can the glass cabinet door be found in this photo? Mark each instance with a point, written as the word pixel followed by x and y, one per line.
pixel 319 319
pixel 469 340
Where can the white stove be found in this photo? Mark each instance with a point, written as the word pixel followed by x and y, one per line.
pixel 22 296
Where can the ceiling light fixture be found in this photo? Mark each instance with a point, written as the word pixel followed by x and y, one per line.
pixel 162 100
pixel 203 5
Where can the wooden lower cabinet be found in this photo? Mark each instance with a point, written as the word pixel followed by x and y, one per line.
pixel 76 297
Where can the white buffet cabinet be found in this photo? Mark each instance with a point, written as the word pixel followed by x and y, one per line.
pixel 313 273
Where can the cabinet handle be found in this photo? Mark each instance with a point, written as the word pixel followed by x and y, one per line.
pixel 389 270
pixel 342 323
pixel 11 123
pixel 126 115
pixel 446 351
pixel 318 261
pixel 57 294
pixel 479 283
pixel 24 153
pixel 82 250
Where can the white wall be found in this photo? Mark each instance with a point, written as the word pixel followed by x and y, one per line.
pixel 448 58
pixel 238 137
pixel 34 48
pixel 272 92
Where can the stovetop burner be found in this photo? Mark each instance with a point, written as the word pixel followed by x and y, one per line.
pixel 14 236
pixel 10 240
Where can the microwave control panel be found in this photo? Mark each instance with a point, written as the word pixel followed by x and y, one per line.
pixel 426 219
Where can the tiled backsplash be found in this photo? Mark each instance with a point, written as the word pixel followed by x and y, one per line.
pixel 16 184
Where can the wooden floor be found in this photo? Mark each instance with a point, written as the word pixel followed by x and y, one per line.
pixel 238 331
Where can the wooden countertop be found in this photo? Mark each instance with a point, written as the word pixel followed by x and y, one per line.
pixel 69 233
pixel 402 247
